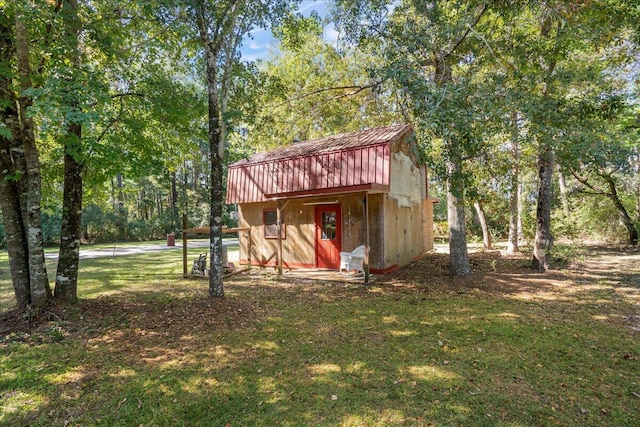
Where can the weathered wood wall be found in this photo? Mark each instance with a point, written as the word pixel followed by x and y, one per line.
pixel 400 221
pixel 427 223
pixel 408 213
pixel 298 246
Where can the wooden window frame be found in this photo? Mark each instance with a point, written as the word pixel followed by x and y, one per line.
pixel 270 227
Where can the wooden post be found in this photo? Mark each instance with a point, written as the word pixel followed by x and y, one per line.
pixel 184 245
pixel 249 247
pixel 366 230
pixel 279 220
pixel 279 210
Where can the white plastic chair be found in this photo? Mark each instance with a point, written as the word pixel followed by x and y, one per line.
pixel 353 260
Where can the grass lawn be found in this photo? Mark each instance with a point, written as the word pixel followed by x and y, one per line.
pixel 506 347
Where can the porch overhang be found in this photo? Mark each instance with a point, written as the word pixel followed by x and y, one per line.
pixel 368 188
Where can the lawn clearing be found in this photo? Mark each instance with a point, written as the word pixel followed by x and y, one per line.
pixel 504 347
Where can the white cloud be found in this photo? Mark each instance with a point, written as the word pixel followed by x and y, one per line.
pixel 254 45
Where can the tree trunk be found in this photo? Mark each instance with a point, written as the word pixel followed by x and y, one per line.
pixel 69 255
pixel 11 168
pixel 216 151
pixel 215 219
pixel 632 232
pixel 16 240
pixel 514 185
pixel 174 201
pixel 458 255
pixel 521 205
pixel 486 236
pixel 564 194
pixel 39 284
pixel 636 186
pixel 543 240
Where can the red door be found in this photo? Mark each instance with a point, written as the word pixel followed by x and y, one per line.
pixel 328 236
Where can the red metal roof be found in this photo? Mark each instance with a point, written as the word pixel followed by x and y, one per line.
pixel 354 161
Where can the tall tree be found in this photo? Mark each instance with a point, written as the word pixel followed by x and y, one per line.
pixel 69 72
pixel 558 51
pixel 69 254
pixel 21 173
pixel 600 151
pixel 432 51
pixel 221 26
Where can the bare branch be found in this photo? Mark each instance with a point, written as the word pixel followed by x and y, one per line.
pixel 356 89
pixel 124 94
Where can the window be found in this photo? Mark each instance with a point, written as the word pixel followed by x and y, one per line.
pixel 270 218
pixel 329 223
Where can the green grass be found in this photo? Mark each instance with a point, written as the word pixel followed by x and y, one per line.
pixel 112 275
pixel 146 347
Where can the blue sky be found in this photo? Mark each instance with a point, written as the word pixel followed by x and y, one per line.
pixel 263 41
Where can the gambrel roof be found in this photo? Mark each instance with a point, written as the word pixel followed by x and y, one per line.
pixel 354 161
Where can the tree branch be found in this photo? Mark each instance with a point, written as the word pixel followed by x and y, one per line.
pixel 356 89
pixel 586 183
pixel 47 32
pixel 123 94
pixel 467 31
pixel 228 21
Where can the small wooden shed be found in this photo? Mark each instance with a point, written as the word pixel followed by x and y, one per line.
pixel 307 202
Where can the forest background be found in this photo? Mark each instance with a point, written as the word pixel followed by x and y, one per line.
pixel 526 113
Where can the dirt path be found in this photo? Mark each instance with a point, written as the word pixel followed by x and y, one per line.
pixel 125 249
pixel 600 266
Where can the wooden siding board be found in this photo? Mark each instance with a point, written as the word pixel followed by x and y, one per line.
pixel 249 184
pixel 388 164
pixel 374 166
pixel 291 174
pixel 364 173
pixel 241 179
pixel 252 182
pixel 230 190
pixel 376 231
pixel 325 171
pixel 308 166
pixel 381 170
pixel 299 173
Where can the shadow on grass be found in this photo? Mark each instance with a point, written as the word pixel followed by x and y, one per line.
pixel 273 352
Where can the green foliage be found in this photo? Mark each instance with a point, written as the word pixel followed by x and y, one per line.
pixel 597 219
pixel 142 100
pixel 313 89
pixel 51 222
